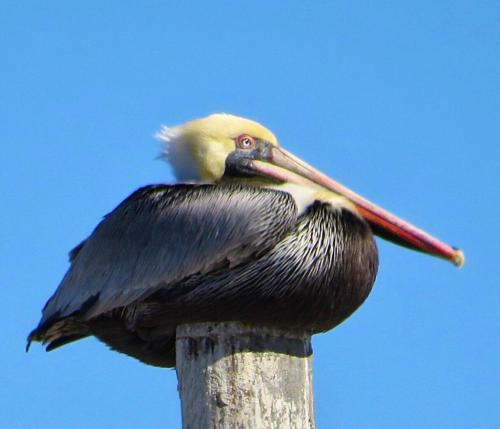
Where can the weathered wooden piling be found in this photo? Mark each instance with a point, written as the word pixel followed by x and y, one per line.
pixel 233 375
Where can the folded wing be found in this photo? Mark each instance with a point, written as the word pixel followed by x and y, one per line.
pixel 163 234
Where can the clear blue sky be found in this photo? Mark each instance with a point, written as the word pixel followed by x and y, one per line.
pixel 399 100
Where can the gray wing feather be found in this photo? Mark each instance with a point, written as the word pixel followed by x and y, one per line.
pixel 163 234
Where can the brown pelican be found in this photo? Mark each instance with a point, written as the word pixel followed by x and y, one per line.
pixel 251 233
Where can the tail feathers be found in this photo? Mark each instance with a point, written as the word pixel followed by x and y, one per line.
pixel 59 333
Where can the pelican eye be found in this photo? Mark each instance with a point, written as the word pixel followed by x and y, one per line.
pixel 244 141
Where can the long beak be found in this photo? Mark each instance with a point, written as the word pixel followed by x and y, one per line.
pixel 292 169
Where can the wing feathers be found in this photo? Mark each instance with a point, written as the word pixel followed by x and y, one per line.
pixel 163 234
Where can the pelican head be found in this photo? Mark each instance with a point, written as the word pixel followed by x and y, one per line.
pixel 199 149
pixel 226 147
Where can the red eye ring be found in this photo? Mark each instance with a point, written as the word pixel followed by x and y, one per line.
pixel 244 141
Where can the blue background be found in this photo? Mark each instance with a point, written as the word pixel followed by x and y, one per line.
pixel 398 100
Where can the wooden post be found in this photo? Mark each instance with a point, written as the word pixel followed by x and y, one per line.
pixel 233 375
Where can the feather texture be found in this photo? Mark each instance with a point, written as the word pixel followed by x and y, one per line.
pixel 175 254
